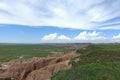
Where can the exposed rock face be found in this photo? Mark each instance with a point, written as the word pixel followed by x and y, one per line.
pixel 36 68
pixel 48 71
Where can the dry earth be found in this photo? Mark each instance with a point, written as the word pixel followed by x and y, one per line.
pixel 36 68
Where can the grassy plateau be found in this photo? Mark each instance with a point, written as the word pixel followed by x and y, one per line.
pixel 97 62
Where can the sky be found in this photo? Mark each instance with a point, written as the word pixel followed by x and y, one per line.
pixel 59 21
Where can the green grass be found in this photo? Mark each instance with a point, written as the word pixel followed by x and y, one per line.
pixel 100 53
pixel 94 71
pixel 97 62
pixel 15 51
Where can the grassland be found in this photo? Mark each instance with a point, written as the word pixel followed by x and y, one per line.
pixel 14 51
pixel 97 62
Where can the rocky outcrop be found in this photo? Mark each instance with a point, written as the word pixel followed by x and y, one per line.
pixel 47 72
pixel 36 68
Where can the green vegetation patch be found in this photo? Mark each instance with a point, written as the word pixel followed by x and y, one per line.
pixel 99 53
pixel 15 51
pixel 97 62
pixel 94 71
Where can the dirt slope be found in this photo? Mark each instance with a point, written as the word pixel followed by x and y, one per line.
pixel 36 68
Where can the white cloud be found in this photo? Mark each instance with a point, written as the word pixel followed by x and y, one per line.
pixel 50 37
pixel 112 27
pixel 81 36
pixel 63 37
pixel 116 36
pixel 78 14
pixel 94 37
pixel 55 37
pixel 89 36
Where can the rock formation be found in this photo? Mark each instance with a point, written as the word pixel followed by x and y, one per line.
pixel 36 68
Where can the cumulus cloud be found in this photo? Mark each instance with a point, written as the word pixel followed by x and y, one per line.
pixel 89 36
pixel 85 36
pixel 63 37
pixel 50 37
pixel 116 36
pixel 55 37
pixel 78 14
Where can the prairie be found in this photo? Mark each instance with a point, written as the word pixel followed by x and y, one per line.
pixel 97 62
pixel 15 51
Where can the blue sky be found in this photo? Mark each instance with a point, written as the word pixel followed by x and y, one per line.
pixel 59 21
